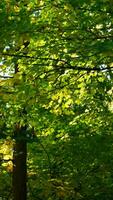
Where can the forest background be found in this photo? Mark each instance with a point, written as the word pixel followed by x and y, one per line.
pixel 56 100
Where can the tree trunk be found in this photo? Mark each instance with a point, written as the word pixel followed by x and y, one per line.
pixel 19 178
pixel 19 166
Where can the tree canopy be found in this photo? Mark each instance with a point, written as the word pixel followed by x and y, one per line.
pixel 56 83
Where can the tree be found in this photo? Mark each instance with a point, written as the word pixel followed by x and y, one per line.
pixel 56 64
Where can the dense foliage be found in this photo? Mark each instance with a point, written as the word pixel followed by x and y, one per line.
pixel 56 79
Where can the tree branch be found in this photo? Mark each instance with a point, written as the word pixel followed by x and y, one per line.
pixel 5 77
pixel 59 60
pixel 89 69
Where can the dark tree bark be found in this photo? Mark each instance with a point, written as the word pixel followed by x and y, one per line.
pixel 19 178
